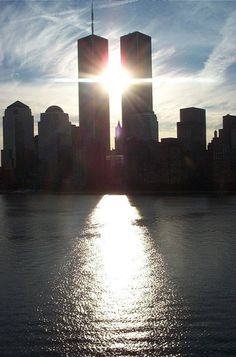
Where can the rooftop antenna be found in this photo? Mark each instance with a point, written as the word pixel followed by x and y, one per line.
pixel 92 22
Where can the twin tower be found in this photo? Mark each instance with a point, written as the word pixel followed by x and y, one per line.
pixel 138 119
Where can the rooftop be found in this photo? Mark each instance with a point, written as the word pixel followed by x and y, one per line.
pixel 54 109
pixel 18 104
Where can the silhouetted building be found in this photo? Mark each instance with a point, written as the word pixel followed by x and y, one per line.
pixel 77 168
pixel 93 109
pixel 55 147
pixel 138 119
pixel 191 130
pixel 18 141
pixel 191 133
pixel 219 163
pixel 115 165
pixel 229 137
pixel 222 155
pixel 170 163
pixel 118 139
pixel 93 96
pixel 229 130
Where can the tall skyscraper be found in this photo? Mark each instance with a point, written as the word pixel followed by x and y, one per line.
pixel 93 97
pixel 229 130
pixel 18 138
pixel 138 118
pixel 191 134
pixel 191 130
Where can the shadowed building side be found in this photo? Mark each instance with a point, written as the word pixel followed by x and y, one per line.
pixel 170 161
pixel 93 97
pixel 222 155
pixel 191 130
pixel 54 147
pixel 18 141
pixel 139 123
pixel 138 119
pixel 191 134
pixel 93 110
pixel 229 130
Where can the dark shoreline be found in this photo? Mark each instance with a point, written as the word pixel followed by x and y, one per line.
pixel 122 192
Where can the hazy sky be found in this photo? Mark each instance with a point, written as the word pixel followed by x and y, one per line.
pixel 193 42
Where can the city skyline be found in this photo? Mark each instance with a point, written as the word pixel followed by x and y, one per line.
pixel 193 58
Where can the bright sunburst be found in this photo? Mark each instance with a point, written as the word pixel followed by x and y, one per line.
pixel 115 78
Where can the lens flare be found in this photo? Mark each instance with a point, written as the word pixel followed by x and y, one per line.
pixel 115 78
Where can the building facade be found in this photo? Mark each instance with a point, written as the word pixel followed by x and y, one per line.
pixel 138 119
pixel 191 130
pixel 191 134
pixel 93 96
pixel 18 140
pixel 54 146
pixel 222 155
pixel 229 130
pixel 170 163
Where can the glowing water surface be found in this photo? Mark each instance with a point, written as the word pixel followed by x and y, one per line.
pixel 117 276
pixel 115 292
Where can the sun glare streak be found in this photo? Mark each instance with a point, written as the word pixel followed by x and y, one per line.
pixel 121 79
pixel 116 79
pixel 121 248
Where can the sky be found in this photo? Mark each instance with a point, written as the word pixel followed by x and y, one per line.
pixel 193 54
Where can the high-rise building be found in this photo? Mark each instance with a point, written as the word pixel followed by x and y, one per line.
pixel 18 139
pixel 191 130
pixel 191 134
pixel 222 154
pixel 219 155
pixel 138 118
pixel 54 144
pixel 229 130
pixel 93 96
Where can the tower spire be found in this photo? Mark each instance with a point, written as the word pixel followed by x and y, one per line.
pixel 92 22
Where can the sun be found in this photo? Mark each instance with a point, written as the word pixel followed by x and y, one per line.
pixel 115 78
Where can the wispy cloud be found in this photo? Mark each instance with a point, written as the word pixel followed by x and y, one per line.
pixel 193 50
pixel 38 42
pixel 114 3
pixel 224 53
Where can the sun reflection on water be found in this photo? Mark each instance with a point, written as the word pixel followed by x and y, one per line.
pixel 121 249
pixel 121 271
pixel 115 292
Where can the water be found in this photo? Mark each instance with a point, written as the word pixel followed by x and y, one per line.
pixel 117 276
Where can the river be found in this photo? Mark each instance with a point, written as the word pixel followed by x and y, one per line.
pixel 117 275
